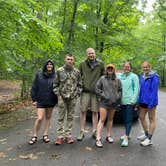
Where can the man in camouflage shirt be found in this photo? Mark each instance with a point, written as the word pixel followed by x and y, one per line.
pixel 68 87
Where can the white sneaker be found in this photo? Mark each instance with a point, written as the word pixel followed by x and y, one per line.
pixel 146 142
pixel 142 137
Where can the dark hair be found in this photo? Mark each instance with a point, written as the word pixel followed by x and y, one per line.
pixel 46 63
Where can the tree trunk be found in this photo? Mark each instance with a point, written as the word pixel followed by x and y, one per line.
pixel 64 17
pixel 71 30
pixel 98 15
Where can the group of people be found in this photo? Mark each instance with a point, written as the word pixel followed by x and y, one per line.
pixel 101 89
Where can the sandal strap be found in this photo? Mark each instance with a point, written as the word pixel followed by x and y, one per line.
pixel 46 138
pixel 33 140
pixel 99 143
pixel 109 139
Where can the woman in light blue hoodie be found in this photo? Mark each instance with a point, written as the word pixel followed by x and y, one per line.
pixel 130 90
pixel 148 100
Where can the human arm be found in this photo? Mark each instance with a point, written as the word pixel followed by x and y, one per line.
pixel 154 92
pixel 135 89
pixel 34 89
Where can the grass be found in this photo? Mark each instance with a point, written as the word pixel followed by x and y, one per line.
pixel 162 89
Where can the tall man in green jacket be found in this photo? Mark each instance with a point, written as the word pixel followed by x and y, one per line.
pixel 91 70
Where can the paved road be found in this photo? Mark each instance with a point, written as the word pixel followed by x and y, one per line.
pixel 15 151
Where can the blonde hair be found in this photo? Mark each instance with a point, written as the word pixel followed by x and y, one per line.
pixel 146 63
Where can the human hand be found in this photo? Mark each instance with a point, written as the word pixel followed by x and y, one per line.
pixel 34 103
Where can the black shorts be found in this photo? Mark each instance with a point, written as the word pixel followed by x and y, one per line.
pixel 44 106
pixel 143 105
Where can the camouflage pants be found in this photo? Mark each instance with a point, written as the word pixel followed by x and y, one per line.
pixel 66 109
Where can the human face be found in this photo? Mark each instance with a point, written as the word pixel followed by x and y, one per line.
pixel 69 60
pixel 127 68
pixel 91 54
pixel 110 71
pixel 49 67
pixel 146 68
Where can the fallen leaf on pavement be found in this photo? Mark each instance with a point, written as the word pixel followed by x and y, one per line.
pixel 40 153
pixel 88 148
pixel 55 156
pixel 28 156
pixel 2 155
pixel 2 140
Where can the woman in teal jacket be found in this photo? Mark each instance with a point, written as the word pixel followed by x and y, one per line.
pixel 148 100
pixel 130 89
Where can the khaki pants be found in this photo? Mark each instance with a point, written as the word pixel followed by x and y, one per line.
pixel 89 100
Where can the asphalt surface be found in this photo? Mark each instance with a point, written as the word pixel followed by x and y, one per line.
pixel 15 151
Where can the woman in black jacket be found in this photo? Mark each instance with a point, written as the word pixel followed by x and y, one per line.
pixel 44 99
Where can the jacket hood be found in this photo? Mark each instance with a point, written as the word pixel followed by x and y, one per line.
pixel 45 64
pixel 151 74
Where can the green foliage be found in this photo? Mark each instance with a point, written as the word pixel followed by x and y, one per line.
pixel 32 31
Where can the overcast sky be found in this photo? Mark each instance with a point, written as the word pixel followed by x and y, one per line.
pixel 149 6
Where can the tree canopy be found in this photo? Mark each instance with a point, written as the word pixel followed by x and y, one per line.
pixel 32 31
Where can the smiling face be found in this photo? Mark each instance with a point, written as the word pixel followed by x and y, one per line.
pixel 49 67
pixel 110 71
pixel 91 54
pixel 146 68
pixel 127 68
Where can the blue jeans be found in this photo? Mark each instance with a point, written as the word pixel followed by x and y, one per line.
pixel 127 111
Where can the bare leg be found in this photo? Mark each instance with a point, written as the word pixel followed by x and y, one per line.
pixel 82 120
pixel 40 115
pixel 103 115
pixel 48 114
pixel 110 117
pixel 152 120
pixel 142 116
pixel 94 120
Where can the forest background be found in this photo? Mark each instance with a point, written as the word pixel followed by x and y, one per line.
pixel 32 31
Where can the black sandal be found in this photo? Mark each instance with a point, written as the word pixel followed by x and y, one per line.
pixel 46 139
pixel 32 140
pixel 99 143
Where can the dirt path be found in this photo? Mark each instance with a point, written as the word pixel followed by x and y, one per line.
pixel 12 109
pixel 8 90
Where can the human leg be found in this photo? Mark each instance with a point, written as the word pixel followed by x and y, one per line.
pixel 40 115
pixel 103 115
pixel 48 114
pixel 94 108
pixel 152 121
pixel 142 117
pixel 61 115
pixel 128 119
pixel 84 104
pixel 70 116
pixel 110 116
pixel 60 125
